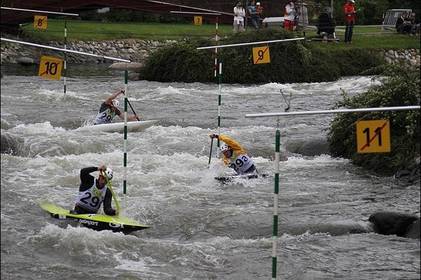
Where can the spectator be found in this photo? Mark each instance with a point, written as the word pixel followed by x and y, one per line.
pixel 350 16
pixel 326 26
pixel 289 17
pixel 302 15
pixel 252 11
pixel 259 9
pixel 405 23
pixel 399 23
pixel 239 14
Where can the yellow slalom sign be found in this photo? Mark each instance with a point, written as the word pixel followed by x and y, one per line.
pixel 197 20
pixel 373 136
pixel 261 55
pixel 40 22
pixel 50 67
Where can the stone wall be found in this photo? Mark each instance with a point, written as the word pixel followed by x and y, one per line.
pixel 131 49
pixel 409 57
pixel 137 50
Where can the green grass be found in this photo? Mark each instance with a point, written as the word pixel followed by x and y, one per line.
pixel 91 30
pixel 368 37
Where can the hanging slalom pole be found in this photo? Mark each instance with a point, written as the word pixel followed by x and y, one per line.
pixel 219 102
pixel 126 75
pixel 216 49
pixel 275 204
pixel 65 59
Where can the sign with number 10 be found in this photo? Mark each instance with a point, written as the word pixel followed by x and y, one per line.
pixel 50 67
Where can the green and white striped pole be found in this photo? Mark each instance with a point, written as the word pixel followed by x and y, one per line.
pixel 216 49
pixel 126 101
pixel 65 59
pixel 275 205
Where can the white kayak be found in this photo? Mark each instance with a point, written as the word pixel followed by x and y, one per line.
pixel 133 126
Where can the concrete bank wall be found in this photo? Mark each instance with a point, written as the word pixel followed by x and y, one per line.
pixel 137 50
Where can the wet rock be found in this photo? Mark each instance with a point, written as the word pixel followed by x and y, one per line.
pixel 135 67
pixel 390 223
pixel 25 60
pixel 313 147
pixel 414 230
pixel 410 175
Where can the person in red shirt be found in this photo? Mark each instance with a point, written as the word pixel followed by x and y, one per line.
pixel 289 16
pixel 350 12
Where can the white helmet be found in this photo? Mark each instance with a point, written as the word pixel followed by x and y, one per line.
pixel 109 173
pixel 224 147
pixel 116 102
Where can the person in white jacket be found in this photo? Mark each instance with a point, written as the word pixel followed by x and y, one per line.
pixel 289 16
pixel 239 14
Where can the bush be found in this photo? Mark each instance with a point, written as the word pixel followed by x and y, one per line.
pixel 290 61
pixel 400 88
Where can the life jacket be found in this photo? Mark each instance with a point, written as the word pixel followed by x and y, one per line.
pixel 105 116
pixel 92 198
pixel 240 163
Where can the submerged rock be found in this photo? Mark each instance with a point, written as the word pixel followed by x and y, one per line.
pixel 25 60
pixel 389 223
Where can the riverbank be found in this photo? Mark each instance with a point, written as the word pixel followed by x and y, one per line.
pixel 138 50
pixel 131 49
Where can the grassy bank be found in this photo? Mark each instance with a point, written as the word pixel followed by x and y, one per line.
pixel 289 61
pixel 91 30
pixel 400 88
pixel 368 37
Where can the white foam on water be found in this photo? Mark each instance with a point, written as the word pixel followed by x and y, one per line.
pixel 37 128
pixel 321 160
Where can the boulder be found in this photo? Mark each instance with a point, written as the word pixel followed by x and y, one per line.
pixel 390 223
pixel 25 60
pixel 133 66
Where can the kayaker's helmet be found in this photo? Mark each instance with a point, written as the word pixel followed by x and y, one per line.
pixel 108 173
pixel 224 147
pixel 115 102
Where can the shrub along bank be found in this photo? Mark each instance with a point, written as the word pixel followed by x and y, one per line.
pixel 400 88
pixel 296 61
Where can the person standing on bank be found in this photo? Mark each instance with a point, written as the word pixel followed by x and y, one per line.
pixel 289 17
pixel 93 192
pixel 235 156
pixel 350 17
pixel 239 14
pixel 109 109
pixel 252 10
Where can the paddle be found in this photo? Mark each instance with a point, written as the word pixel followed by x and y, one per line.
pixel 210 152
pixel 108 182
pixel 131 107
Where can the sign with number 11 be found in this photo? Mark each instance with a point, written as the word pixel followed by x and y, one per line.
pixel 373 136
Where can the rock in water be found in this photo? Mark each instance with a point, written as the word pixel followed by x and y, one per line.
pixel 394 223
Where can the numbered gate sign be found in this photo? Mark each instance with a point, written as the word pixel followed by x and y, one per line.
pixel 373 136
pixel 50 67
pixel 197 20
pixel 40 22
pixel 261 55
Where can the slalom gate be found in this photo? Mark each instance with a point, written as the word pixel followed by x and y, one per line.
pixel 277 156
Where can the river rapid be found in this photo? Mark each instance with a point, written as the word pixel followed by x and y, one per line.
pixel 200 228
